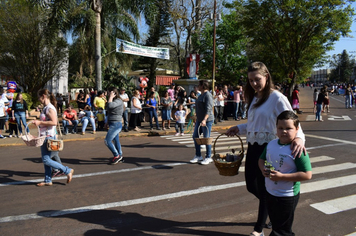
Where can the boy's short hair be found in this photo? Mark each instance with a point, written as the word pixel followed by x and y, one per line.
pixel 289 115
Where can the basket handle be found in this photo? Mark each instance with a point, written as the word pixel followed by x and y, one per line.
pixel 26 134
pixel 199 129
pixel 242 145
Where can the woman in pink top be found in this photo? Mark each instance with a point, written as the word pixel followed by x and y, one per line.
pixel 237 100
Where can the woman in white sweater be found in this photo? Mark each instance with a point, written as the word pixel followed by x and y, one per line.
pixel 264 104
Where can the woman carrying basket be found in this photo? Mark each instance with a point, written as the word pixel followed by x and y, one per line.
pixel 205 120
pixel 47 124
pixel 264 104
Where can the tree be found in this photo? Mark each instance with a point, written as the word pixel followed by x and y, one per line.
pixel 158 19
pixel 30 50
pixel 230 50
pixel 343 67
pixel 95 25
pixel 188 16
pixel 294 34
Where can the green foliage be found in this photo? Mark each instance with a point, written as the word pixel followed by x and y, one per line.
pixel 342 68
pixel 230 58
pixel 158 19
pixel 30 50
pixel 292 36
pixel 113 77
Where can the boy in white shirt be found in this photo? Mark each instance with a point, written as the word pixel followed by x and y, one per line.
pixel 180 116
pixel 282 174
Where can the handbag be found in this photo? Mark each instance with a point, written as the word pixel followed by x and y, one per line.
pixel 55 145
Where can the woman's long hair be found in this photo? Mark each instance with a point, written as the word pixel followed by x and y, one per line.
pixel 17 98
pixel 250 92
pixel 50 96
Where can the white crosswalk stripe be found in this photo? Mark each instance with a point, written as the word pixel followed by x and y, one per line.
pixel 328 207
pixel 223 145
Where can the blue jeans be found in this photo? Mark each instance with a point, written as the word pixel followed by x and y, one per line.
pixel 206 134
pixel 85 122
pixel 66 124
pixel 318 111
pixel 348 101
pixel 49 163
pixel 153 113
pixel 113 135
pixel 21 116
pixel 243 107
pixel 125 115
pixel 236 109
pixel 179 126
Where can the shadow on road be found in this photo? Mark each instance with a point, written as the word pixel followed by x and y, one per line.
pixel 128 223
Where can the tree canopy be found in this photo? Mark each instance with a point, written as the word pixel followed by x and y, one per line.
pixel 290 36
pixel 30 50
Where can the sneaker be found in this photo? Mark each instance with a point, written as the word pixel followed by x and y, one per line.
pixel 196 159
pixel 10 136
pixel 206 161
pixel 73 132
pixel 116 160
pixel 2 137
pixel 182 134
pixel 177 134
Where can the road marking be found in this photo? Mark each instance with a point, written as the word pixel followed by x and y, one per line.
pixel 330 139
pixel 312 118
pixel 333 168
pixel 339 118
pixel 121 203
pixel 336 205
pixel 306 187
pixel 352 234
pixel 327 184
pixel 321 158
pixel 327 145
pixel 96 174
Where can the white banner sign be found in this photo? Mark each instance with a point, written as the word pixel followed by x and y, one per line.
pixel 136 49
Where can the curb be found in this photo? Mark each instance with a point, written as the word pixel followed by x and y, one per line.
pixel 142 134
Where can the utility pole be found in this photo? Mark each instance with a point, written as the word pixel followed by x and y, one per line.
pixel 214 45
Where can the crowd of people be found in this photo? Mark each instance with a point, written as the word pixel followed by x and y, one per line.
pixel 272 131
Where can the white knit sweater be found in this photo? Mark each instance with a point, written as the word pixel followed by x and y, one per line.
pixel 261 125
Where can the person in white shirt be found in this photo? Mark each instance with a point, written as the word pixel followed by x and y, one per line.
pixel 264 104
pixel 180 116
pixel 125 98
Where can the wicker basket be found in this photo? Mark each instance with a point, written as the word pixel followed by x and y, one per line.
pixel 203 141
pixel 228 168
pixel 32 140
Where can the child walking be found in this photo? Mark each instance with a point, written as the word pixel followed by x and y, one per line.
pixel 180 116
pixel 282 174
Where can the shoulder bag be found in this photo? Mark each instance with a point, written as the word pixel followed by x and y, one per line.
pixel 56 145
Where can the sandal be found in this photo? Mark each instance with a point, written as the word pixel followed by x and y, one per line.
pixel 42 184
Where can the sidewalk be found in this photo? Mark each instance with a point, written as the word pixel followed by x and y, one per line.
pixel 145 131
pixel 306 104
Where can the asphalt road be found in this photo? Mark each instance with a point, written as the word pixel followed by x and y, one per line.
pixel 155 191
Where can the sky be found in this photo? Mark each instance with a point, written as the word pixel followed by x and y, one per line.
pixel 348 44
